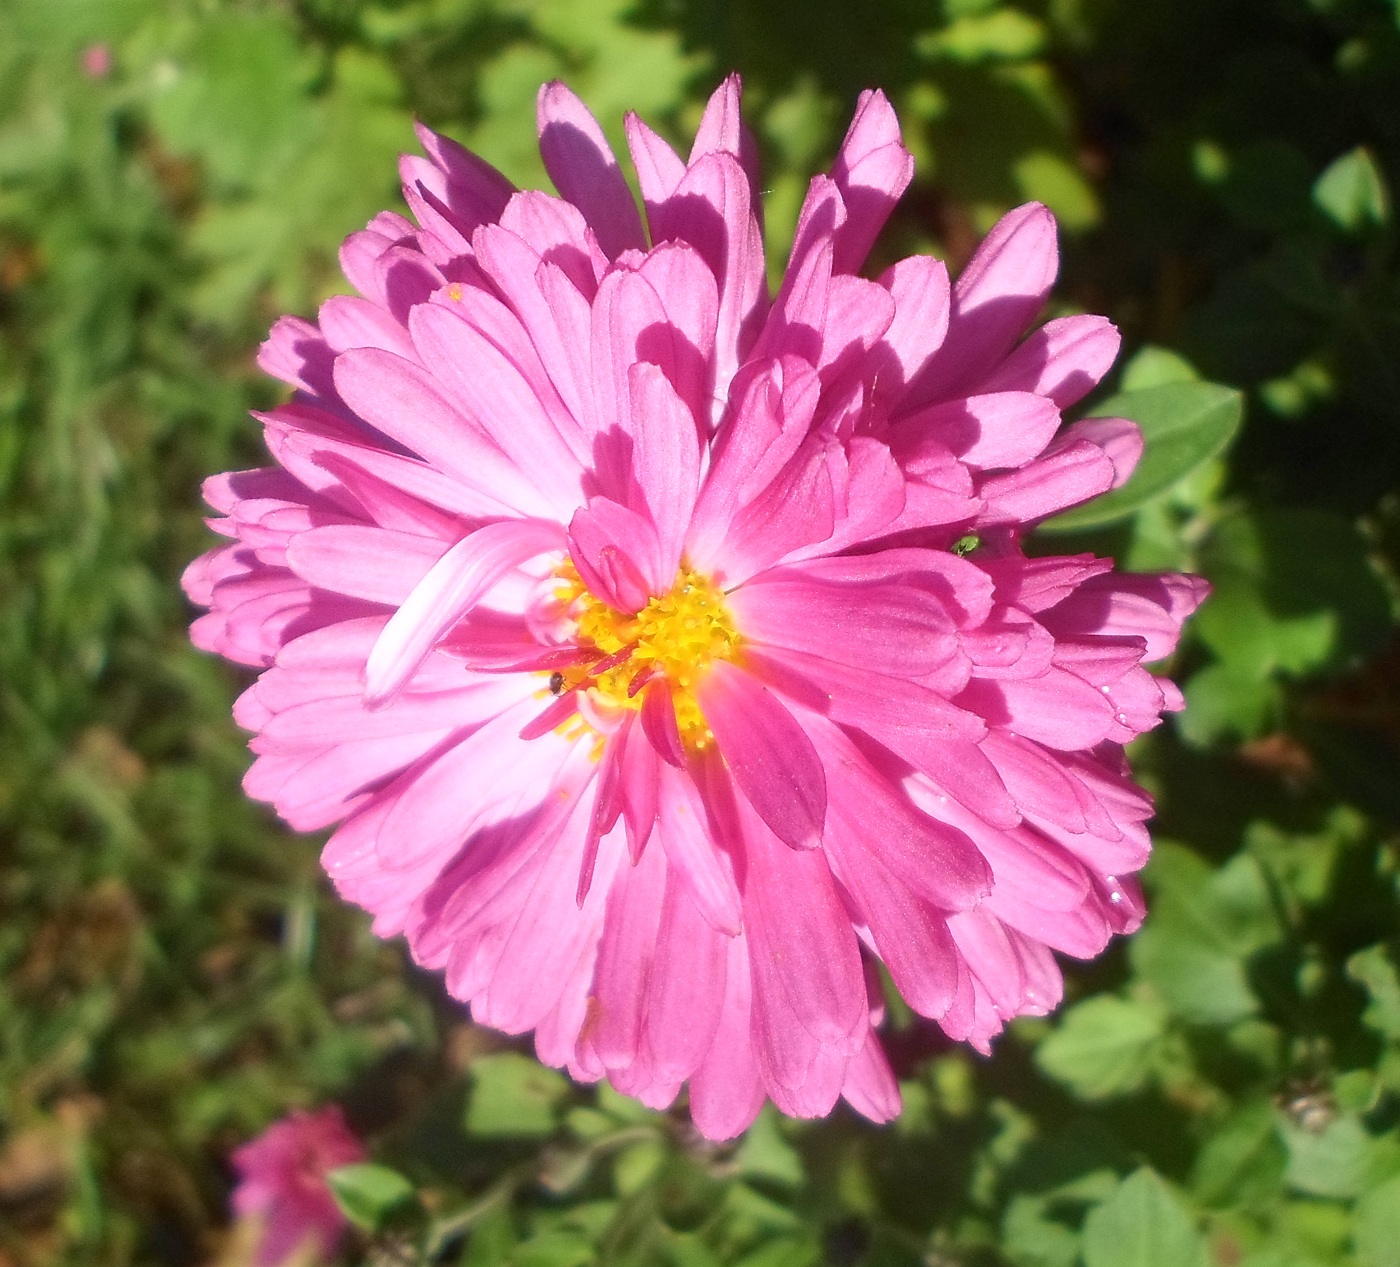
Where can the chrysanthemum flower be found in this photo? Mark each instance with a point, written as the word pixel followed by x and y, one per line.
pixel 666 651
pixel 282 1183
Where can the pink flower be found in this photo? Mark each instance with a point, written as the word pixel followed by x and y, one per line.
pixel 282 1181
pixel 612 608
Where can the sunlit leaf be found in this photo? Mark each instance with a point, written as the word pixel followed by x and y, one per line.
pixel 1184 425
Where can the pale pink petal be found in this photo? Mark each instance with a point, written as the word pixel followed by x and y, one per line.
pixel 447 592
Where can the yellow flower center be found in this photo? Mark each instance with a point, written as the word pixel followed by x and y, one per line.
pixel 677 636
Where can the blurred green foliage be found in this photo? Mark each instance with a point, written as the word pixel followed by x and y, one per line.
pixel 173 973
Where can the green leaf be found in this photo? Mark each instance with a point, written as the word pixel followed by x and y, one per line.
pixel 765 1154
pixel 1003 34
pixel 1103 1047
pixel 1340 1161
pixel 1224 700
pixel 1153 366
pixel 1373 969
pixel 234 97
pixel 786 1251
pixel 368 1194
pixel 1295 592
pixel 513 1095
pixel 1184 425
pixel 1352 192
pixel 554 1249
pixel 1204 924
pixel 1376 1225
pixel 1242 1161
pixel 1030 1236
pixel 1142 1224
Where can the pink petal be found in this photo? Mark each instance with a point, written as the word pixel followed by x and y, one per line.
pixel 666 460
pixel 809 999
pixel 617 554
pixel 1056 709
pixel 897 629
pixel 763 429
pixel 476 189
pixel 712 210
pixel 625 954
pixel 558 233
pixel 362 562
pixel 1064 477
pixel 726 1092
pixel 580 162
pixel 686 992
pixel 695 860
pixel 922 293
pixel 1119 438
pixel 408 405
pixel 491 390
pixel 659 168
pixel 350 322
pixel 870 1087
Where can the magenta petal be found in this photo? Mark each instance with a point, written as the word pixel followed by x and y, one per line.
pixel 872 170
pixel 580 162
pixel 768 753
pixel 1000 429
pixel 1064 360
pixel 997 296
pixel 870 1087
pixel 617 554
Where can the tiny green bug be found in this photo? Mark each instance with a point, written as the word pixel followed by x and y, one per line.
pixel 964 546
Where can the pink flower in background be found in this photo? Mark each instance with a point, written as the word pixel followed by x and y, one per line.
pixel 282 1182
pixel 96 61
pixel 665 651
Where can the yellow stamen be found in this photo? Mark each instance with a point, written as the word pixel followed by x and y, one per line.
pixel 677 636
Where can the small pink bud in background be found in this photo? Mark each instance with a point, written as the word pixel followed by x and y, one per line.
pixel 96 61
pixel 282 1182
